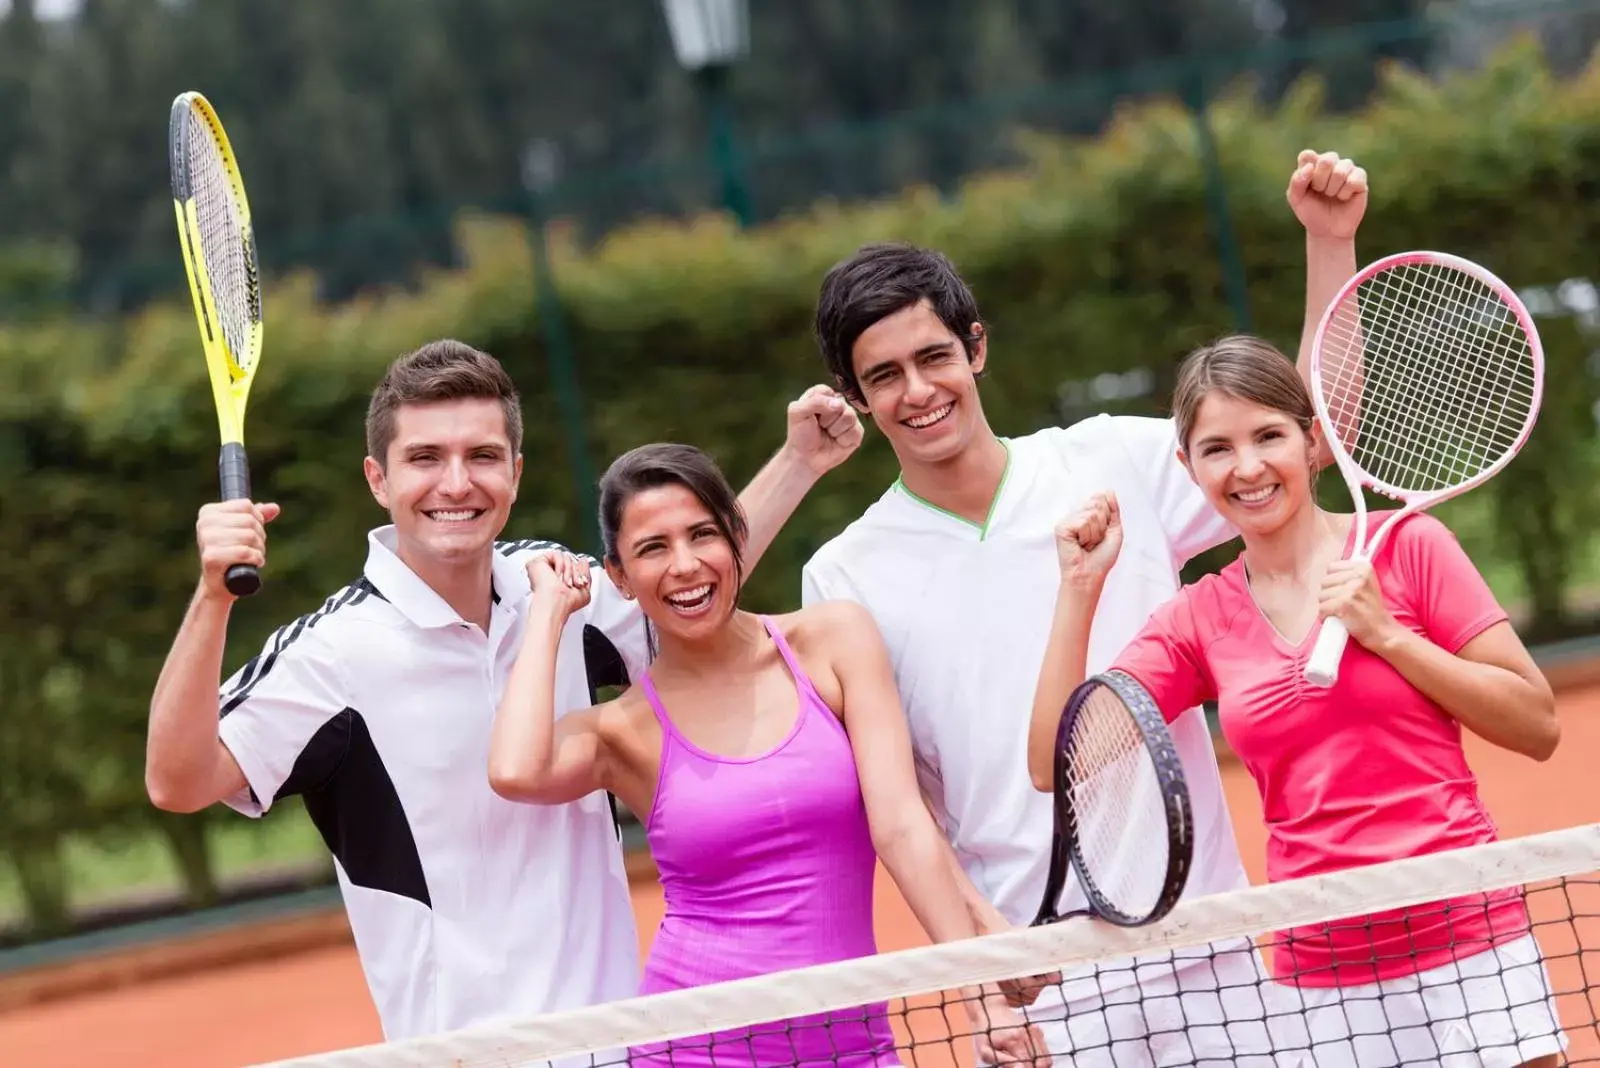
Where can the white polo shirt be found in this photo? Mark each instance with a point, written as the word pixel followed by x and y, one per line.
pixel 966 613
pixel 377 709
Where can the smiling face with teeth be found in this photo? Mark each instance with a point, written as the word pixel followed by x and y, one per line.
pixel 448 481
pixel 1254 463
pixel 919 384
pixel 673 556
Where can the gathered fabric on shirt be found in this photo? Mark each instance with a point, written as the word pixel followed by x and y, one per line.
pixel 1365 771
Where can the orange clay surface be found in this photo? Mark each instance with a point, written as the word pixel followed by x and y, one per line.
pixel 316 1000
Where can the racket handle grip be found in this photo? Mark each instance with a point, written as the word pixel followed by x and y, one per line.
pixel 1322 667
pixel 233 467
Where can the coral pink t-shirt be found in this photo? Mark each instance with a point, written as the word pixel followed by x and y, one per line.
pixel 1366 771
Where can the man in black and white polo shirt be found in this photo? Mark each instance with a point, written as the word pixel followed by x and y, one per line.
pixel 377 709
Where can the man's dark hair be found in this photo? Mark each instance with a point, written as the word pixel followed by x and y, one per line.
pixel 442 370
pixel 878 281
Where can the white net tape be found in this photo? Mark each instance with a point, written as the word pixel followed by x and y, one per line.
pixel 1569 856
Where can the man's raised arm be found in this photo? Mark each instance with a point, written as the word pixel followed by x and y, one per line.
pixel 823 431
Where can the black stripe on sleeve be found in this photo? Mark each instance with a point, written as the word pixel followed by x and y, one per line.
pixel 604 666
pixel 511 548
pixel 260 664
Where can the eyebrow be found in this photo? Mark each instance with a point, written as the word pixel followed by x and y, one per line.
pixel 1220 439
pixel 645 539
pixel 925 350
pixel 423 446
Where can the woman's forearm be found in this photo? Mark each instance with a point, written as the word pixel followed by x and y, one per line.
pixel 917 859
pixel 522 744
pixel 1065 658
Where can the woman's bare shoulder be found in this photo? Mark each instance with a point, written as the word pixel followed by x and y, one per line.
pixel 831 636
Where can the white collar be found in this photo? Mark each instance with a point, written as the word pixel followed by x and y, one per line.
pixel 420 602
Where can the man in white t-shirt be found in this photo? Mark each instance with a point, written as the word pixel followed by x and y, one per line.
pixel 377 708
pixel 957 562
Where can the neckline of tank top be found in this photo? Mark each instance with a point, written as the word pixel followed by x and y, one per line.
pixel 805 695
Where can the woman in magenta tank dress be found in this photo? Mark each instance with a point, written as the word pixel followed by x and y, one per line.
pixel 769 759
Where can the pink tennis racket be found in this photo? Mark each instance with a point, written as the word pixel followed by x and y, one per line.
pixel 1427 374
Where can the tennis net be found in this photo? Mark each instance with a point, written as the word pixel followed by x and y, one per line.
pixel 1491 952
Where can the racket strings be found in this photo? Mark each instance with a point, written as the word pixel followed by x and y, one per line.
pixel 223 239
pixel 1119 810
pixel 1429 377
pixel 1469 395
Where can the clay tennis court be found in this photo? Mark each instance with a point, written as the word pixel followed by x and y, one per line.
pixel 316 1000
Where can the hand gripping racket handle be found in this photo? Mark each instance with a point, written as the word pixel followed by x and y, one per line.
pixel 242 579
pixel 1322 668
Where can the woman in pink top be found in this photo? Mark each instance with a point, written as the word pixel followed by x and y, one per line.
pixel 1369 770
pixel 768 757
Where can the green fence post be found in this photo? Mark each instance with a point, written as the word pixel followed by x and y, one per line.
pixel 724 147
pixel 709 37
pixel 540 163
pixel 1217 203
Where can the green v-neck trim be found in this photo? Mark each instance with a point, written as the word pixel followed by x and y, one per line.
pixel 981 528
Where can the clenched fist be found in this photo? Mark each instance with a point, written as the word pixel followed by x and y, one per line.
pixel 229 533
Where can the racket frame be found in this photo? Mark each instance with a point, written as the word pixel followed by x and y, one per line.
pixel 231 373
pixel 1065 848
pixel 1327 650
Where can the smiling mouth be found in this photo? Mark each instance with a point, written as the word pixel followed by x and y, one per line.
pixel 454 515
pixel 692 602
pixel 1254 498
pixel 923 422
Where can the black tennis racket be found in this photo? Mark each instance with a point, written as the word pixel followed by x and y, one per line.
pixel 1122 815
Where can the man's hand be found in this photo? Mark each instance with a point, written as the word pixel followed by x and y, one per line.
pixel 1023 990
pixel 1003 1036
pixel 229 533
pixel 1328 194
pixel 823 429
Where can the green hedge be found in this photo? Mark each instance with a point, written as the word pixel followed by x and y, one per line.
pixel 1097 257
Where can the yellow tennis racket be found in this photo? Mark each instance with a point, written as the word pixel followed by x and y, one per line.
pixel 219 254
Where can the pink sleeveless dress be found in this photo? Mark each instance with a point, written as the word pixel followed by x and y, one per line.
pixel 766 863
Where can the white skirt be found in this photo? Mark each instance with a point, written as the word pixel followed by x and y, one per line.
pixel 1493 1009
pixel 1220 1011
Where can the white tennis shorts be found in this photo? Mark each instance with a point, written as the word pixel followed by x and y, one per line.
pixel 1493 1009
pixel 1220 1011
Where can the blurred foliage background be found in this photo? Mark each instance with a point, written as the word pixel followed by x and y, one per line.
pixel 533 177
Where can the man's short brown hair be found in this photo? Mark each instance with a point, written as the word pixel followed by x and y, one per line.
pixel 440 371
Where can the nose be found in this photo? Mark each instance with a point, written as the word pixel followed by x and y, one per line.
pixel 455 479
pixel 1248 465
pixel 918 389
pixel 683 561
